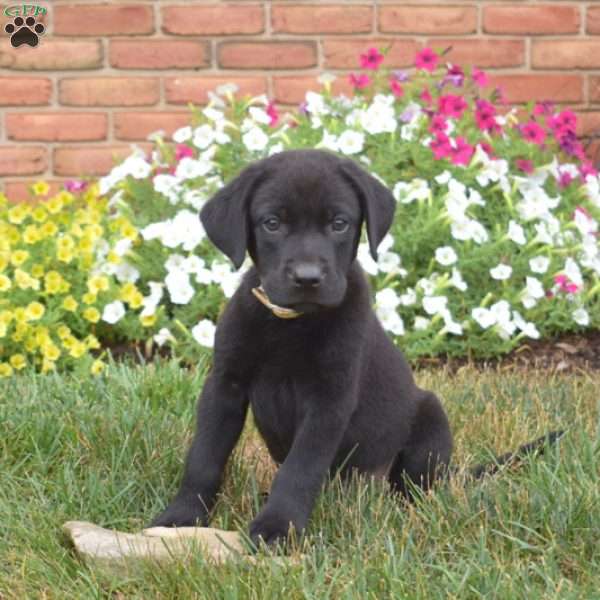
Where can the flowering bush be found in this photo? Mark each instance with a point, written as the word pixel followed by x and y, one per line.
pixel 50 294
pixel 495 234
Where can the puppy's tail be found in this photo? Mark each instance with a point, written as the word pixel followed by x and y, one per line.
pixel 512 458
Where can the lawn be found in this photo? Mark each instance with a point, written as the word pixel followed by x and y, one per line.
pixel 110 450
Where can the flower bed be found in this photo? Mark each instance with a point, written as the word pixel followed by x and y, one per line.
pixel 494 240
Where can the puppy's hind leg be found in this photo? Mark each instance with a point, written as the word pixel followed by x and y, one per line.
pixel 426 455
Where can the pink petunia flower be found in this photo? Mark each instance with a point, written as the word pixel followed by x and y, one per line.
pixel 183 151
pixel 533 133
pixel 564 179
pixel 587 168
pixel 372 59
pixel 75 186
pixel 396 88
pixel 480 77
pixel 273 113
pixel 427 60
pixel 565 284
pixel 438 124
pixel 485 117
pixel 525 165
pixel 455 75
pixel 359 82
pixel 440 146
pixel 563 121
pixel 543 108
pixel 487 148
pixel 425 96
pixel 461 152
pixel 452 106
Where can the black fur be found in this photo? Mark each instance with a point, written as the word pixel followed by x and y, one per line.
pixel 329 391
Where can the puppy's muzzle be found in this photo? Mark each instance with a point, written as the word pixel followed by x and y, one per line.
pixel 306 275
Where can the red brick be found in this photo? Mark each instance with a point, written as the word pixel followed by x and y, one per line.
pixel 588 123
pixel 105 19
pixel 594 94
pixel 109 91
pixel 433 20
pixel 344 54
pixel 528 87
pixel 292 90
pixel 565 54
pixel 312 18
pixel 25 91
pixel 158 54
pixel 593 19
pixel 22 160
pixel 181 90
pixel 482 53
pixel 85 160
pixel 18 190
pixel 534 19
pixel 54 55
pixel 56 127
pixel 213 19
pixel 137 126
pixel 267 55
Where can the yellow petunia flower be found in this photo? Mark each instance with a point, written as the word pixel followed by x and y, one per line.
pixel 31 235
pixel 3 329
pixel 98 283
pixel 91 314
pixel 17 362
pixel 40 188
pixel 65 255
pixel 78 349
pixel 34 311
pixel 54 204
pixel 5 370
pixel 18 213
pixel 97 367
pixel 148 320
pixel 5 283
pixel 129 231
pixel 63 331
pixel 25 281
pixel 49 229
pixel 37 270
pixel 89 298
pixel 51 351
pixel 18 257
pixel 91 342
pixel 39 214
pixel 47 365
pixel 3 261
pixel 70 304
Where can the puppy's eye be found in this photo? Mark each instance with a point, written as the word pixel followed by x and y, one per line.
pixel 271 224
pixel 340 225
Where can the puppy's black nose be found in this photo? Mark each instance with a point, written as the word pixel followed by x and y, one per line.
pixel 306 274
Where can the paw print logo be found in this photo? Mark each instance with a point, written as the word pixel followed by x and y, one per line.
pixel 24 31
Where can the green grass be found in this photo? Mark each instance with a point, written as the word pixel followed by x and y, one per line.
pixel 110 450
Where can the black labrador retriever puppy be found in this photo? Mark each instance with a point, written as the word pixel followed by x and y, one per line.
pixel 300 343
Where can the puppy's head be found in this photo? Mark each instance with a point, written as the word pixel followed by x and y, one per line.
pixel 299 215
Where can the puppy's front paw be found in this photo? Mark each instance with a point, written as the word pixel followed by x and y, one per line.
pixel 184 511
pixel 270 528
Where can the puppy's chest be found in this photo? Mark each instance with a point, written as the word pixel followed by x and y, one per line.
pixel 276 401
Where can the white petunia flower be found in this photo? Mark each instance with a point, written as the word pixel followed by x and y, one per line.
pixel 390 320
pixel 204 136
pixel 387 299
pixel 365 259
pixel 179 287
pixel 516 233
pixel 409 297
pixel 183 134
pixel 416 189
pixel 539 264
pixel 446 255
pixel 501 272
pixel 457 280
pixel 421 323
pixel 113 312
pixel 204 333
pixel 255 139
pixel 163 336
pixel 351 142
pixel 581 317
pixel 528 328
pixel 126 272
pixel 190 168
pixel 434 305
pixel 484 317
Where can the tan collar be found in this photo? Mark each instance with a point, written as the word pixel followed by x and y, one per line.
pixel 278 311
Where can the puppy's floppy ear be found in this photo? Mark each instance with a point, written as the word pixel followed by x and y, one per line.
pixel 225 215
pixel 376 201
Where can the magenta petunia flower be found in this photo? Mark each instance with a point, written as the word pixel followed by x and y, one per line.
pixel 371 60
pixel 455 75
pixel 396 88
pixel 543 108
pixel 487 148
pixel 485 116
pixel 480 78
pixel 438 124
pixel 564 179
pixel 273 113
pixel 563 121
pixel 587 168
pixel 359 82
pixel 525 165
pixel 440 146
pixel 565 284
pixel 427 60
pixel 533 133
pixel 74 186
pixel 183 151
pixel 452 106
pixel 425 96
pixel 461 152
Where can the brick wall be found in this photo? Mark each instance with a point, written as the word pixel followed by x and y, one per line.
pixel 107 74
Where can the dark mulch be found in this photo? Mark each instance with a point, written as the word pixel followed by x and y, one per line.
pixel 570 353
